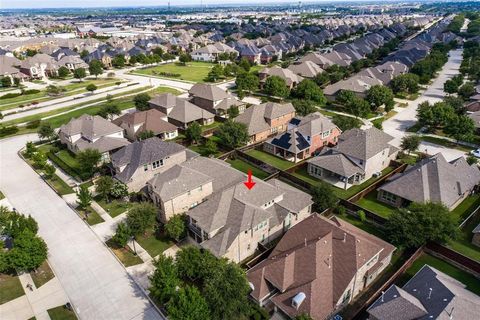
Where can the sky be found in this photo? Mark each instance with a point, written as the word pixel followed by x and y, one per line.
pixel 112 3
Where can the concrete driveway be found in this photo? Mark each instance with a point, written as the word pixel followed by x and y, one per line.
pixel 94 281
pixel 397 125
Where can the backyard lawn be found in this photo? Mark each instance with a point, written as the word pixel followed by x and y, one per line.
pixel 10 288
pixel 364 225
pixel 114 207
pixel 194 71
pixel 42 275
pixel 125 255
pixel 61 313
pixel 154 242
pixel 270 159
pixel 464 209
pixel 244 166
pixel 371 203
pixel 466 278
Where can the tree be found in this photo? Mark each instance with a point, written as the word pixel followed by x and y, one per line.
pixel 210 147
pixel 88 161
pixel 233 112
pixel 146 135
pixel 276 86
pixel 303 107
pixel 471 159
pixel 405 83
pixel 460 127
pixel 379 95
pixel 244 64
pixel 119 190
pixel 109 111
pixel 91 87
pixel 63 72
pixel 450 86
pixel 141 101
pixel 184 58
pixel 30 149
pixel 49 170
pixel 103 186
pixel 164 281
pixel 193 132
pixel 122 235
pixel 345 122
pixel 53 90
pixel 39 160
pixel 215 73
pixel 6 82
pixel 233 134
pixel 309 90
pixel 84 197
pixel 79 73
pixel 410 143
pixel 420 223
pixel 29 252
pixel 226 290
pixel 95 68
pixel 247 82
pixel 175 227
pixel 83 53
pixel 323 196
pixel 119 61
pixel 141 217
pixel 466 91
pixel 188 304
pixel 321 78
pixel 14 223
pixel 195 264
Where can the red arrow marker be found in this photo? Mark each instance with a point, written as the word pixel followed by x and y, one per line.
pixel 249 184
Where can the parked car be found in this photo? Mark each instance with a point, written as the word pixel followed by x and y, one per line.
pixel 475 153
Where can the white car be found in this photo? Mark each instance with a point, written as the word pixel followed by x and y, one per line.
pixel 475 153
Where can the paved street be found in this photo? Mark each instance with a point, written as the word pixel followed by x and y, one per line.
pixel 397 125
pixel 94 281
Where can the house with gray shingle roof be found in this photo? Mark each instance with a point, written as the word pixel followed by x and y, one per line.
pixel 266 119
pixel 431 180
pixel 430 294
pixel 307 69
pixel 358 156
pixel 140 161
pixel 317 268
pixel 291 79
pixel 92 132
pixel 214 99
pixel 135 123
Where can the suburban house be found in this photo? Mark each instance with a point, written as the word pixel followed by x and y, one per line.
pixel 92 132
pixel 306 69
pixel 266 119
pixel 181 112
pixel 140 161
pixel 430 294
pixel 304 137
pixel 359 84
pixel 359 155
pixel 211 51
pixel 432 180
pixel 39 66
pixel 318 267
pixel 144 121
pixel 213 99
pixel 72 62
pixel 291 79
pixel 235 221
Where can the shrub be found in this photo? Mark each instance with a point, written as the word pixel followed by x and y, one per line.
pixel 33 124
pixel 10 95
pixel 5 131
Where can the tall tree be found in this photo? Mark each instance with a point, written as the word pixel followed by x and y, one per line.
pixel 309 90
pixel 103 187
pixel 164 280
pixel 122 235
pixel 63 72
pixel 141 101
pixel 84 197
pixel 29 252
pixel 276 86
pixel 188 304
pixel 193 132
pixel 140 217
pixel 410 143
pixel 323 196
pixel 233 134
pixel 379 95
pixel 88 161
pixel 46 131
pixel 175 227
pixel 79 73
pixel 247 81
pixel 95 68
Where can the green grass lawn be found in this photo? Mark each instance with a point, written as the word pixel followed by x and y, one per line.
pixel 10 288
pixel 371 203
pixel 126 256
pixel 154 242
pixel 61 313
pixel 466 278
pixel 464 209
pixel 215 124
pixel 42 275
pixel 463 244
pixel 244 166
pixel 364 225
pixel 2 196
pixel 93 217
pixel 446 143
pixel 270 159
pixel 59 185
pixel 408 159
pixel 194 71
pixel 114 207
pixel 345 194
pixel 69 158
pixel 160 90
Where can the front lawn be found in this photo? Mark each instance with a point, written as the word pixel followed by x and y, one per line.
pixel 125 255
pixel 68 158
pixel 91 216
pixel 42 275
pixel 114 207
pixel 244 166
pixel 371 203
pixel 446 143
pixel 10 288
pixel 154 242
pixel 194 71
pixel 61 313
pixel 270 159
pixel 59 185
pixel 464 277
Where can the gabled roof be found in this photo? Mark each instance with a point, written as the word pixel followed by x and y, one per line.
pixel 285 74
pixel 187 112
pixel 306 69
pixel 89 127
pixel 436 180
pixel 255 117
pixel 363 144
pixel 150 120
pixel 336 162
pixel 208 92
pixel 318 257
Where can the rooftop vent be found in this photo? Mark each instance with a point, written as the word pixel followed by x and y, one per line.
pixel 298 299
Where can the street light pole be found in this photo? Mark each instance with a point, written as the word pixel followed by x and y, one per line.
pixel 134 249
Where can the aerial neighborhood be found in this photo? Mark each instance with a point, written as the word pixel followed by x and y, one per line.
pixel 278 161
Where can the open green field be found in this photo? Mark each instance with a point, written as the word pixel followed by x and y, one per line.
pixel 466 278
pixel 244 166
pixel 194 71
pixel 10 288
pixel 270 159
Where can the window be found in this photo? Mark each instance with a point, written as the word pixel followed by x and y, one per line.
pixel 145 167
pixel 325 134
pixel 346 296
pixel 388 197
pixel 157 164
pixel 273 129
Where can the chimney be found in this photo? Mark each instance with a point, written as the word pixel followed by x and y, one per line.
pixel 429 293
pixel 383 294
pixel 305 242
pixel 344 237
